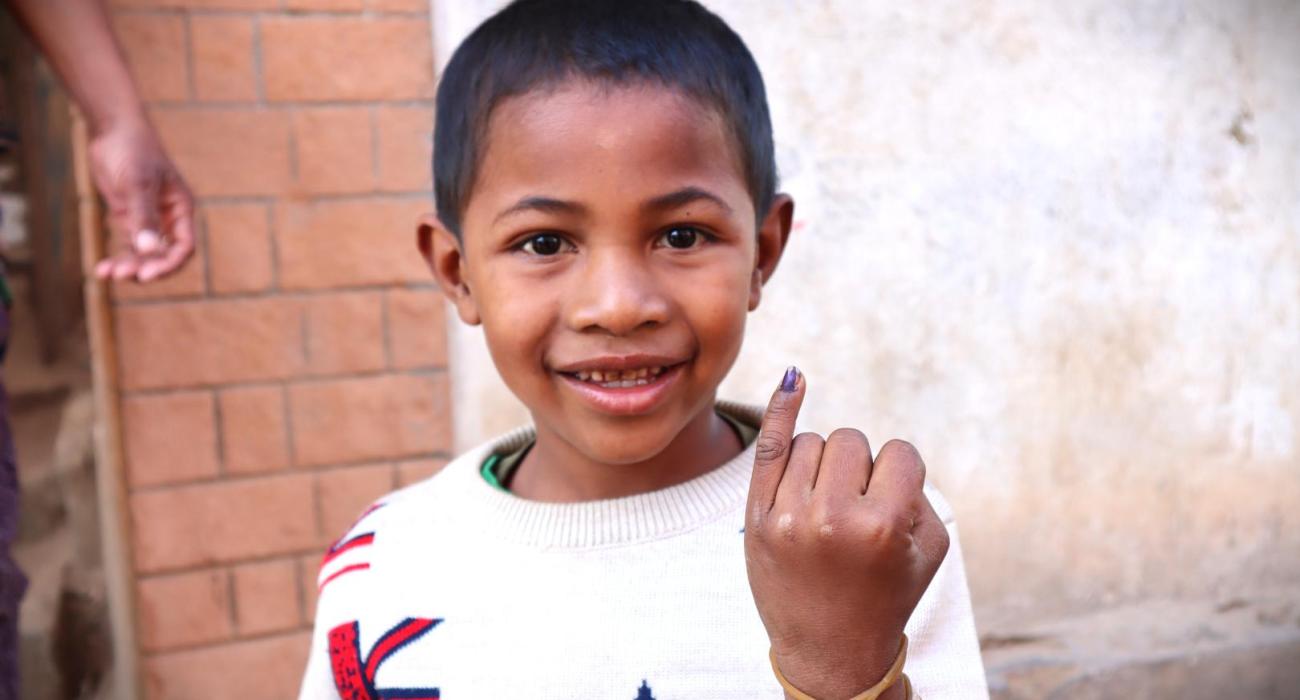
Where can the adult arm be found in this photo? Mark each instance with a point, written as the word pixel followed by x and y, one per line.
pixel 148 202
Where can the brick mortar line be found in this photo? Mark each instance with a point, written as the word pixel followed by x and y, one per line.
pixel 157 11
pixel 187 34
pixel 305 336
pixel 318 510
pixel 189 298
pixel 259 87
pixel 218 432
pixel 294 380
pixel 316 553
pixel 234 600
pixel 299 598
pixel 231 199
pixel 287 198
pixel 290 448
pixel 308 199
pixel 282 13
pixel 431 371
pixel 292 150
pixel 304 470
pixel 266 105
pixel 214 567
pixel 384 315
pixel 376 169
pixel 331 467
pixel 325 197
pixel 230 641
pixel 201 233
pixel 271 227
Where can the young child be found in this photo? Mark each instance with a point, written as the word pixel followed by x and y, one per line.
pixel 607 211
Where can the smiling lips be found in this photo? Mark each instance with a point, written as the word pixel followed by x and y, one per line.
pixel 623 386
pixel 620 379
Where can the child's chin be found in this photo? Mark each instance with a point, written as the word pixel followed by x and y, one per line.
pixel 633 448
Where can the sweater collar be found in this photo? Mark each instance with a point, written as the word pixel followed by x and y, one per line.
pixel 608 522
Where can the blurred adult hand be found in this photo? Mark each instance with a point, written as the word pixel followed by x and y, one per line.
pixel 150 208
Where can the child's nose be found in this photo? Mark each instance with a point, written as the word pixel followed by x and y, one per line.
pixel 617 293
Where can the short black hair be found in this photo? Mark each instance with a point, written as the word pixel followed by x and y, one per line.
pixel 533 44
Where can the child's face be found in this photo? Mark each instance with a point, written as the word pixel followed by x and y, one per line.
pixel 610 230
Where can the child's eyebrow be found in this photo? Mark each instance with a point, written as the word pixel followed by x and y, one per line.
pixel 542 204
pixel 663 202
pixel 682 197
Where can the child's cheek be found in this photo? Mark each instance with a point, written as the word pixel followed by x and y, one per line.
pixel 720 309
pixel 516 325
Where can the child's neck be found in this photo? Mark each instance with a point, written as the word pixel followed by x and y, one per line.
pixel 555 471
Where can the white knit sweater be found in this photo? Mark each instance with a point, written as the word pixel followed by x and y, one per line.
pixel 451 588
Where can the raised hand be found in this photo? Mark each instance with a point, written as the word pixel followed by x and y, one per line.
pixel 839 549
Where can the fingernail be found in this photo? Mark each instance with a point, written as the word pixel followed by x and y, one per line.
pixel 147 241
pixel 790 379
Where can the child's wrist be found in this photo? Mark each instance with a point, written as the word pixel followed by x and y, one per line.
pixel 838 670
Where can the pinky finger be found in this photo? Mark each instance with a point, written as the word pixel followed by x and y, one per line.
pixel 125 267
pixel 930 534
pixel 168 262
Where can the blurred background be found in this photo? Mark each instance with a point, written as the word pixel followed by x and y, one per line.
pixel 1055 245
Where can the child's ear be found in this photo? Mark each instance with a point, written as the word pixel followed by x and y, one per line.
pixel 772 236
pixel 442 252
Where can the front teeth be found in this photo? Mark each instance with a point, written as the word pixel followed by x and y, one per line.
pixel 616 379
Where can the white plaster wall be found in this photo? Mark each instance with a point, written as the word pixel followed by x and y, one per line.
pixel 1057 246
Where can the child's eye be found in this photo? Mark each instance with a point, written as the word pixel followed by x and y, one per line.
pixel 682 237
pixel 544 244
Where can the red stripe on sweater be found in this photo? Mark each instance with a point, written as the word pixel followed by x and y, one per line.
pixel 336 550
pixel 347 569
pixel 391 642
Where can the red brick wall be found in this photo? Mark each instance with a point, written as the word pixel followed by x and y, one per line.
pixel 296 369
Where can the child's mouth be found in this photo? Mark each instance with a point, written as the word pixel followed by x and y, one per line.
pixel 620 379
pixel 624 391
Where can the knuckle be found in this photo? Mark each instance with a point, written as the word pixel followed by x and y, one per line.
pixel 783 528
pixel 902 455
pixel 807 440
pixel 875 529
pixel 882 531
pixel 900 449
pixel 848 436
pixel 825 523
pixel 770 448
pixel 756 523
pixel 943 541
pixel 935 550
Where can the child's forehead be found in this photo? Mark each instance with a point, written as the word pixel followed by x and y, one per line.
pixel 624 130
pixel 592 107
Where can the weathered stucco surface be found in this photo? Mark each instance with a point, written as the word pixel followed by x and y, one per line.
pixel 1057 246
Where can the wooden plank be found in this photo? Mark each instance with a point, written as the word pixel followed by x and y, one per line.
pixel 110 479
pixel 40 109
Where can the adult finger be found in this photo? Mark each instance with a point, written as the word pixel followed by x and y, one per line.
pixel 125 265
pixel 173 257
pixel 179 220
pixel 139 206
pixel 775 435
pixel 104 268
